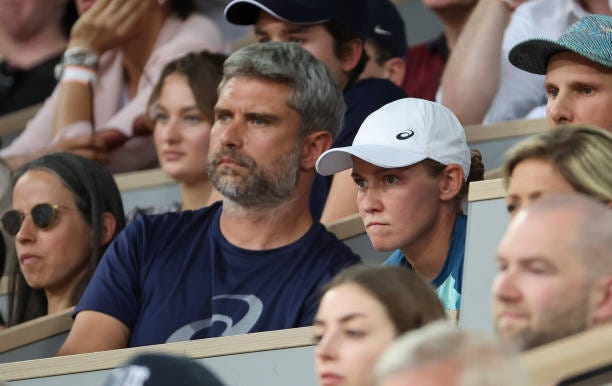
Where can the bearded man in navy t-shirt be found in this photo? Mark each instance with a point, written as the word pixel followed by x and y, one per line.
pixel 254 262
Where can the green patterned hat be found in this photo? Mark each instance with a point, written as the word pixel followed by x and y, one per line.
pixel 590 37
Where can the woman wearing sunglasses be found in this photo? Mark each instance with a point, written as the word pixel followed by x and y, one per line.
pixel 66 210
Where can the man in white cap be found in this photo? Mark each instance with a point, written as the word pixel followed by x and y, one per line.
pixel 411 163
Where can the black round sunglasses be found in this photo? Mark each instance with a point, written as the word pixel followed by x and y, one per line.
pixel 43 216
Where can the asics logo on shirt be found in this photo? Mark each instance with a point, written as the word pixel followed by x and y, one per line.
pixel 243 326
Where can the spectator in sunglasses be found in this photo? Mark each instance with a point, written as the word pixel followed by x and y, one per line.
pixel 66 210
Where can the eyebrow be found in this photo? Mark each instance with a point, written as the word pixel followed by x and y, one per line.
pixel 380 170
pixel 221 110
pixel 263 116
pixel 182 109
pixel 592 81
pixel 528 260
pixel 344 319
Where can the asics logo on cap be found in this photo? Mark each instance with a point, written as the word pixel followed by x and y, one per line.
pixel 404 135
pixel 379 30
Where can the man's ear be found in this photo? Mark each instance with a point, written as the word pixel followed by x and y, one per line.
pixel 351 54
pixel 451 181
pixel 395 69
pixel 313 145
pixel 109 223
pixel 602 302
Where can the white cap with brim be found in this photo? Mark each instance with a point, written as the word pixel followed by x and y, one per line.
pixel 403 133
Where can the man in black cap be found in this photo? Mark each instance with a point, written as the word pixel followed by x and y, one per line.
pixel 386 43
pixel 334 32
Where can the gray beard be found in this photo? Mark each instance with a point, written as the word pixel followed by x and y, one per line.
pixel 259 188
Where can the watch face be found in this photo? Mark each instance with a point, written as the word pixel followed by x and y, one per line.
pixel 78 57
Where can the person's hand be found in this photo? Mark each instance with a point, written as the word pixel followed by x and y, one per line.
pixel 112 139
pixel 107 24
pixel 512 4
pixel 88 146
pixel 143 126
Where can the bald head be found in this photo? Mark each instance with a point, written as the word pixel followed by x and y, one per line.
pixel 555 270
pixel 571 220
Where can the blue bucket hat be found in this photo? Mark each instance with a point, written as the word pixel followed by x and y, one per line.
pixel 352 14
pixel 387 27
pixel 590 37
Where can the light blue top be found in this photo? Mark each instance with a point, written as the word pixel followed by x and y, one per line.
pixel 448 282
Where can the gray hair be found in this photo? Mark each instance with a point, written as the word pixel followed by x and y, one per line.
pixel 315 93
pixel 480 360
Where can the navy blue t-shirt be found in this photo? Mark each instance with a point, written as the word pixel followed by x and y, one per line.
pixel 362 98
pixel 174 277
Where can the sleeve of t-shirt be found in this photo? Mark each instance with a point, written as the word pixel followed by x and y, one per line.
pixel 114 288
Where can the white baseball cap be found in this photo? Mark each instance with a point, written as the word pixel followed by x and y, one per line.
pixel 403 133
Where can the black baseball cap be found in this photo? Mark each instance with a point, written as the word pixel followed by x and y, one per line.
pixel 387 27
pixel 352 14
pixel 156 369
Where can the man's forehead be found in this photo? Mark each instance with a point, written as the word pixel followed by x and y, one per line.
pixel 565 58
pixel 265 19
pixel 541 234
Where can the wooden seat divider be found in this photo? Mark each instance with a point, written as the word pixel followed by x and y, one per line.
pixel 37 338
pixel 486 223
pixel 493 140
pixel 12 123
pixel 204 348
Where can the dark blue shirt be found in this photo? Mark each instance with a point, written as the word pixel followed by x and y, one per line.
pixel 362 98
pixel 174 277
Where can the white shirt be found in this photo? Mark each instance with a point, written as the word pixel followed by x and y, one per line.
pixel 519 91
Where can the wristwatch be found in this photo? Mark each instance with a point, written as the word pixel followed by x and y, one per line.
pixel 77 56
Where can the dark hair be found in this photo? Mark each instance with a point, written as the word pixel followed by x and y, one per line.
pixel 381 54
pixel 342 36
pixel 183 8
pixel 477 169
pixel 94 192
pixel 410 302
pixel 203 71
pixel 68 17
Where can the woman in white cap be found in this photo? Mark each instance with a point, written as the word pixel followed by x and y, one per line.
pixel 411 164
